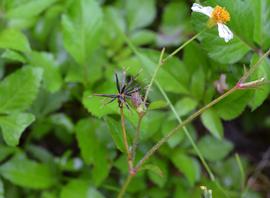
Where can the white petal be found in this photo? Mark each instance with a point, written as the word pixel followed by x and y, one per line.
pixel 204 10
pixel 224 32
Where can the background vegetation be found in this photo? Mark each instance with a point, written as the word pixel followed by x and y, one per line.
pixel 57 140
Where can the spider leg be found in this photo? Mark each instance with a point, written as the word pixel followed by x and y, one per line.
pixel 106 95
pixel 133 91
pixel 123 84
pixel 117 83
pixel 111 101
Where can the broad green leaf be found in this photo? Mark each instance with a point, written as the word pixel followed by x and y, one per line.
pixel 91 149
pixel 86 138
pixel 79 188
pixel 233 105
pixel 213 123
pixel 198 83
pixel 97 105
pixel 2 190
pixel 185 106
pixel 15 40
pixel 19 89
pixel 81 29
pixel 51 73
pixel 159 104
pixel 116 133
pixel 215 46
pixel 13 56
pixel 13 126
pixel 187 165
pixel 28 173
pixel 261 92
pixel 140 13
pixel 143 37
pixel 242 9
pixel 214 149
pixel 158 172
pixel 262 26
pixel 153 168
pixel 28 9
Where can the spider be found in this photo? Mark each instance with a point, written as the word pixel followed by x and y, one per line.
pixel 124 89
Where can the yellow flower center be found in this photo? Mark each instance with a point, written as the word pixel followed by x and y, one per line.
pixel 220 15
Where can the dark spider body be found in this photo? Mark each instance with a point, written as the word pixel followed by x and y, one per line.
pixel 124 89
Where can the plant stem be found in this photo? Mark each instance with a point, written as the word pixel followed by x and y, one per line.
pixel 187 134
pixel 136 137
pixel 124 186
pixel 124 133
pixel 180 126
pixel 182 46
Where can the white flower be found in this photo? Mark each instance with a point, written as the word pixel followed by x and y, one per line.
pixel 217 15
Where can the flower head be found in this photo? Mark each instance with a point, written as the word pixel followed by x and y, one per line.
pixel 217 16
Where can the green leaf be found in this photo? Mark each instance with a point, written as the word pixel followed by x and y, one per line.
pixel 19 89
pixel 15 40
pixel 95 105
pixel 187 165
pixel 215 46
pixel 213 123
pixel 52 76
pixel 92 150
pixel 159 104
pixel 28 9
pixel 28 173
pixel 233 105
pixel 13 56
pixel 261 92
pixel 140 13
pixel 185 106
pixel 116 133
pixel 198 83
pixel 214 149
pixel 153 168
pixel 2 190
pixel 261 22
pixel 13 126
pixel 79 188
pixel 143 37
pixel 81 29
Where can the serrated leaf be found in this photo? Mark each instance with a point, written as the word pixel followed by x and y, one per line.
pixel 79 188
pixel 233 105
pixel 2 190
pixel 28 173
pixel 92 151
pixel 13 56
pixel 185 106
pixel 261 92
pixel 81 29
pixel 187 165
pixel 13 126
pixel 262 27
pixel 159 104
pixel 51 73
pixel 213 123
pixel 18 90
pixel 153 168
pixel 28 9
pixel 116 133
pixel 140 13
pixel 215 46
pixel 15 40
pixel 214 149
pixel 95 105
pixel 198 83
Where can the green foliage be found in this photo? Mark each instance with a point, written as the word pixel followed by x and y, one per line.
pixel 58 139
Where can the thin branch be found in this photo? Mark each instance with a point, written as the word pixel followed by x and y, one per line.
pixel 124 133
pixel 136 138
